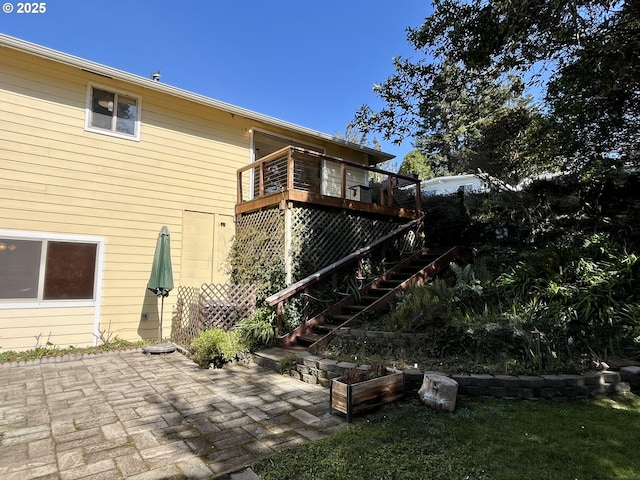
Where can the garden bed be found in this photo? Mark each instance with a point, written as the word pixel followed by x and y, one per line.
pixel 353 398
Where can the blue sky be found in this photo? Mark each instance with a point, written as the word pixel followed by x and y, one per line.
pixel 312 63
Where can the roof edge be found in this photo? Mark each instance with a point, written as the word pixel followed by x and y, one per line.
pixel 114 73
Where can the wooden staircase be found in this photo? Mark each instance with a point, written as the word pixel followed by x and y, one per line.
pixel 374 296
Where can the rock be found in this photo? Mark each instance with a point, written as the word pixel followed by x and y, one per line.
pixel 631 375
pixel 616 363
pixel 439 392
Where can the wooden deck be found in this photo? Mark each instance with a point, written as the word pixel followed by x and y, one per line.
pixel 296 175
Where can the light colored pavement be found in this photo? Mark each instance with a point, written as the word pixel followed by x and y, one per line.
pixel 150 417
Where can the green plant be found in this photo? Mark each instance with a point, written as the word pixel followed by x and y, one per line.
pixel 49 350
pixel 259 330
pixel 585 289
pixel 287 364
pixel 44 350
pixel 216 347
pixel 351 286
pixel 422 306
pixel 9 355
pixel 252 259
pixel 466 280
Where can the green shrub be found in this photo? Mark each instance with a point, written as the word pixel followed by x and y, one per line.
pixel 259 330
pixel 584 293
pixel 287 364
pixel 217 347
pixel 422 307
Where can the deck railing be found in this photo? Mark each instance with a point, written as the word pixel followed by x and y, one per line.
pixel 296 174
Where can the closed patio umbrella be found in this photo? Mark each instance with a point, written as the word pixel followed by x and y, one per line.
pixel 161 283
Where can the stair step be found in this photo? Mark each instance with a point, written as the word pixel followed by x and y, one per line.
pixel 354 308
pixel 379 291
pixel 422 261
pixel 369 300
pixel 310 338
pixel 341 317
pixel 373 298
pixel 325 328
pixel 400 277
pixel 425 260
pixel 407 272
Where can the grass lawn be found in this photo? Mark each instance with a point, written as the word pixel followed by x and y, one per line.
pixel 483 439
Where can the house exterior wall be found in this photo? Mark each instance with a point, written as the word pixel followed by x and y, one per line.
pixel 62 183
pixel 332 177
pixel 451 184
pixel 56 179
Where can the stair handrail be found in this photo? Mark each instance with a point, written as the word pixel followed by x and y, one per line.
pixel 280 297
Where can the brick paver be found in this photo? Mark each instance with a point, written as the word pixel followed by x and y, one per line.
pixel 150 417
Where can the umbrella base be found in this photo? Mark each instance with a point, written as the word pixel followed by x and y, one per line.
pixel 159 348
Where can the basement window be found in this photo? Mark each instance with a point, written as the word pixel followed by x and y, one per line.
pixel 47 269
pixel 113 113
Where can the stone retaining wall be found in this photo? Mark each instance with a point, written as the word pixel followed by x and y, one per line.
pixel 316 370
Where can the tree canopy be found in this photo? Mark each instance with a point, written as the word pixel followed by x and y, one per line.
pixel 415 162
pixel 463 100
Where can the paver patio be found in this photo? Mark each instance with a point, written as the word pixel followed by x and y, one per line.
pixel 143 417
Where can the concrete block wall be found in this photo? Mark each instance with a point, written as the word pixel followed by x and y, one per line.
pixel 316 370
pixel 544 386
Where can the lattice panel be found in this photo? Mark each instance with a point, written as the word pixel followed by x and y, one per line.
pixel 222 306
pixel 261 233
pixel 320 237
pixel 185 323
pixel 211 306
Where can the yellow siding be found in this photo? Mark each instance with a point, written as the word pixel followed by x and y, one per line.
pixel 56 178
pixel 29 328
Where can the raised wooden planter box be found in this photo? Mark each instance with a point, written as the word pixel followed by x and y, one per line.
pixel 354 398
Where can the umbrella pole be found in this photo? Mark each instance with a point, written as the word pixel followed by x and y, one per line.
pixel 160 322
pixel 160 347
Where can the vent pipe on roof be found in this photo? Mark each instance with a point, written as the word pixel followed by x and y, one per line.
pixel 155 76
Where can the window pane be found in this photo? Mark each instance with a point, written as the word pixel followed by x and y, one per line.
pixel 126 122
pixel 70 271
pixel 19 268
pixel 102 109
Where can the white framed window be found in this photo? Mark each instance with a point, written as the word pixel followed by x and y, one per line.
pixel 113 113
pixel 48 269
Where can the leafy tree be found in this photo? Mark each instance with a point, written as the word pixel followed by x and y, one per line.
pixel 458 98
pixel 595 98
pixel 508 145
pixel 416 162
pixel 449 110
pixel 355 135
